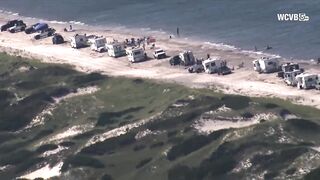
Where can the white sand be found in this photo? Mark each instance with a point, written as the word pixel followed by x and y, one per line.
pixel 45 172
pixel 207 126
pixel 243 81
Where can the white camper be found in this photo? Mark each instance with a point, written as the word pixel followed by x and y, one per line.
pixel 266 65
pixel 136 55
pixel 213 65
pixel 98 44
pixel 116 49
pixel 79 41
pixel 306 81
pixel 187 58
pixel 290 77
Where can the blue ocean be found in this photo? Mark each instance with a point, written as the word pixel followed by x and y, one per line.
pixel 244 24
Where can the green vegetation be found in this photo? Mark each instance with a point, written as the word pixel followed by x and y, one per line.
pixel 166 145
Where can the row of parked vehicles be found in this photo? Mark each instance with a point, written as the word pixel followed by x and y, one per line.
pixel 40 30
pixel 210 65
pixel 291 73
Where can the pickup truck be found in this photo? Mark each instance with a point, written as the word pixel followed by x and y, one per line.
pixel 159 54
pixel 44 33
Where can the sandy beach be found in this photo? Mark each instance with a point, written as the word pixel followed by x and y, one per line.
pixel 243 81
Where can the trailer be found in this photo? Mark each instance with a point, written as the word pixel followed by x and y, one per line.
pixel 116 49
pixel 98 44
pixel 288 67
pixel 187 58
pixel 307 81
pixel 136 55
pixel 290 77
pixel 79 41
pixel 213 65
pixel 266 65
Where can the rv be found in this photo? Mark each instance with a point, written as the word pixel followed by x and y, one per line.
pixel 266 65
pixel 98 44
pixel 290 77
pixel 136 55
pixel 79 41
pixel 187 58
pixel 306 81
pixel 116 49
pixel 213 65
pixel 288 67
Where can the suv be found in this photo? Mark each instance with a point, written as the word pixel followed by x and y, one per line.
pixel 18 27
pixel 159 54
pixel 45 33
pixel 9 24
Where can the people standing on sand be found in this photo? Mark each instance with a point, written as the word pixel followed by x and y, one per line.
pixel 208 56
pixel 178 32
pixel 70 28
pixel 255 48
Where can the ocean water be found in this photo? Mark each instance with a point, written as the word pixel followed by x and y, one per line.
pixel 243 23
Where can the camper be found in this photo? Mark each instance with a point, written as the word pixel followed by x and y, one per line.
pixel 288 67
pixel 266 65
pixel 79 41
pixel 98 44
pixel 290 77
pixel 306 81
pixel 116 49
pixel 136 55
pixel 213 65
pixel 187 58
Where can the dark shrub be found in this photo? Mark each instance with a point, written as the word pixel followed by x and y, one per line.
pixel 284 112
pixel 88 79
pixel 270 105
pixel 4 137
pixel 81 161
pixel 29 85
pixel 60 92
pixel 112 117
pixel 181 172
pixel 138 81
pixel 15 158
pixel 304 125
pixel 143 162
pixel 139 147
pixel 247 115
pixel 236 102
pixel 52 71
pixel 109 145
pixel 172 133
pixel 157 144
pixel 314 174
pixel 46 147
pixel 106 177
pixel 67 144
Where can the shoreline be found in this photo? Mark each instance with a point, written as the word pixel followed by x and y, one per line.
pixel 243 81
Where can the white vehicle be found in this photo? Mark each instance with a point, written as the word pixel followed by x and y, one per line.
pixel 44 33
pixel 98 44
pixel 136 55
pixel 159 54
pixel 116 49
pixel 18 27
pixel 290 77
pixel 213 65
pixel 266 65
pixel 306 81
pixel 187 58
pixel 79 41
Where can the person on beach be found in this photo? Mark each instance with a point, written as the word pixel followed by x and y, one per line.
pixel 255 48
pixel 70 27
pixel 178 32
pixel 208 56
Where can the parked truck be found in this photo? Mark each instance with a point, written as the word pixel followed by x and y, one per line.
pixel 18 27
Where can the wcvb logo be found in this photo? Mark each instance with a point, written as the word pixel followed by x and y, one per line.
pixel 301 17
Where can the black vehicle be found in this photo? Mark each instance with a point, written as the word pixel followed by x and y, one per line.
pixel 9 24
pixel 175 60
pixel 45 33
pixel 224 70
pixel 57 39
